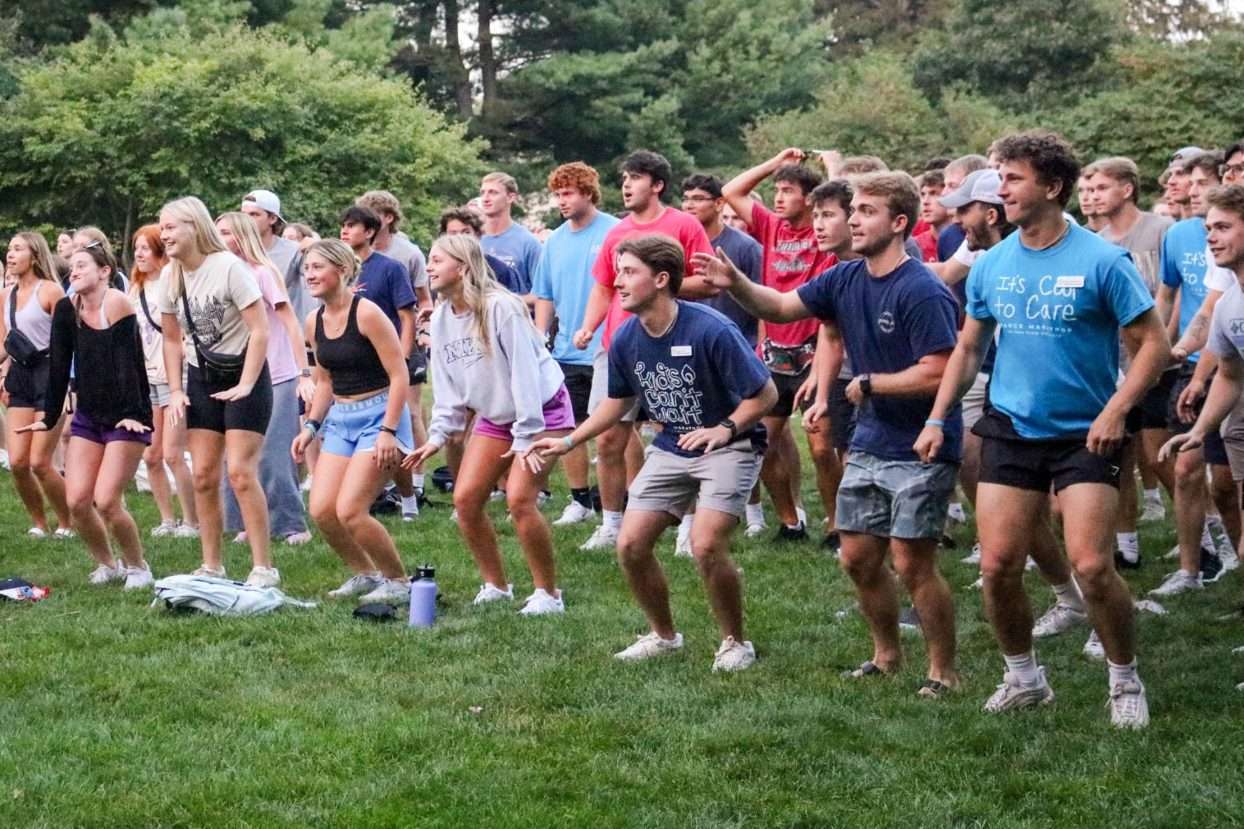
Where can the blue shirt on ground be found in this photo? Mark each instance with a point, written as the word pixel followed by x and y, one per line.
pixel 693 377
pixel 1058 312
pixel 386 282
pixel 888 324
pixel 518 248
pixel 746 253
pixel 1183 266
pixel 564 277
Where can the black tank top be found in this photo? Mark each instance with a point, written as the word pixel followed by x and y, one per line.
pixel 350 360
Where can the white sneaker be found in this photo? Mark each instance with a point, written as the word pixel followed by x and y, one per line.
pixel 756 529
pixel 357 585
pixel 979 584
pixel 1154 511
pixel 136 578
pixel 306 484
pixel 682 546
pixel 164 529
pixel 491 593
pixel 186 531
pixel 1127 704
pixel 390 591
pixel 1093 649
pixel 264 577
pixel 497 495
pixel 1058 619
pixel 734 655
pixel 1177 583
pixel 296 539
pixel 410 508
pixel 210 572
pixel 543 603
pixel 956 513
pixel 574 513
pixel 605 538
pixel 648 646
pixel 1012 694
pixel 64 533
pixel 4 458
pixel 35 532
pixel 103 574
pixel 973 558
pixel 1172 553
pixel 240 538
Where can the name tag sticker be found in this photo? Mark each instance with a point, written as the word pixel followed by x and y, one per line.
pixel 1069 282
pixel 680 351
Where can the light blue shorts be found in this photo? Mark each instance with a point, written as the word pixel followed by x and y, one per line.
pixel 895 499
pixel 353 426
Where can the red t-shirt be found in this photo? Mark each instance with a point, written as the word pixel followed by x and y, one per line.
pixel 682 227
pixel 927 241
pixel 791 259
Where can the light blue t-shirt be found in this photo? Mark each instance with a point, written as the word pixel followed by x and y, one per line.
pixel 1058 312
pixel 518 248
pixel 1183 266
pixel 564 277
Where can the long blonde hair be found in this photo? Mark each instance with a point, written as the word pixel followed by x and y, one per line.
pixel 250 245
pixel 206 238
pixel 478 283
pixel 340 255
pixel 40 255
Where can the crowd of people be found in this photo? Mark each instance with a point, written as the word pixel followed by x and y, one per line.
pixel 956 331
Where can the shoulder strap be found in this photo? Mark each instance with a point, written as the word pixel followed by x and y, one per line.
pixel 13 307
pixel 185 304
pixel 142 300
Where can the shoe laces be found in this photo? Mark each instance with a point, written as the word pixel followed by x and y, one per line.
pixel 1125 698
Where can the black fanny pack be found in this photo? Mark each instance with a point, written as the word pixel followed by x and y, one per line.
pixel 219 371
pixel 16 344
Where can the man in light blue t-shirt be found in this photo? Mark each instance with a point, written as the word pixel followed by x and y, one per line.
pixel 504 238
pixel 1059 296
pixel 561 285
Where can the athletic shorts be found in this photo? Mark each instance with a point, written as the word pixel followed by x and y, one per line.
pixel 250 414
pixel 1233 440
pixel 1009 460
pixel 353 426
pixel 975 400
pixel 842 414
pixel 28 386
pixel 579 384
pixel 720 480
pixel 895 499
pixel 1214 450
pixel 558 416
pixel 98 431
pixel 600 387
pixel 1152 410
pixel 787 385
pixel 417 367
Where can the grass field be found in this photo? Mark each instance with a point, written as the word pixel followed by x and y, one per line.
pixel 112 714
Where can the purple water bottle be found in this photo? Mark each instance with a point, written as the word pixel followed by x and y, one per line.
pixel 423 597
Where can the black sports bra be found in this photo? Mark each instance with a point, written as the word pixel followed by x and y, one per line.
pixel 350 360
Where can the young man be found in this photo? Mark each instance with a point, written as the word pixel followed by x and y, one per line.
pixel 265 208
pixel 897 323
pixel 697 377
pixel 646 182
pixel 465 220
pixel 563 282
pixel 1175 190
pixel 385 282
pixel 791 259
pixel 932 186
pixel 504 238
pixel 1060 294
pixel 1093 219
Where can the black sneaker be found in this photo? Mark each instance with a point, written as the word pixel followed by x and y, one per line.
pixel 1121 562
pixel 909 619
pixel 786 533
pixel 832 542
pixel 1211 566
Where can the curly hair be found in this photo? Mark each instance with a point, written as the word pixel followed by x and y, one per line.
pixel 1051 156
pixel 578 175
pixel 464 215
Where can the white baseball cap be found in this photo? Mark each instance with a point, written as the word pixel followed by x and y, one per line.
pixel 264 200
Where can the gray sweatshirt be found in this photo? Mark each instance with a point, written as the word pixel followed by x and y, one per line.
pixel 508 384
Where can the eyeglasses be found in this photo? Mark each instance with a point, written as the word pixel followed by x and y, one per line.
pixel 1232 170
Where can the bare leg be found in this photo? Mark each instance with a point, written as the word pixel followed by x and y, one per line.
pixel 916 563
pixel 1086 508
pixel 1008 518
pixel 1223 491
pixel 153 457
pixel 41 448
pixel 82 465
pixel 207 449
pixel 710 544
pixel 242 448
pixel 863 557
pixel 828 469
pixel 1190 499
pixel 522 490
pixel 325 485
pixel 120 461
pixel 640 531
pixel 362 483
pixel 174 446
pixel 481 463
pixel 775 474
pixel 612 473
pixel 24 480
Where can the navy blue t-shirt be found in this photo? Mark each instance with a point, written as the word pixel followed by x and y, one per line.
pixel 747 254
pixel 693 377
pixel 948 241
pixel 887 324
pixel 386 282
pixel 506 275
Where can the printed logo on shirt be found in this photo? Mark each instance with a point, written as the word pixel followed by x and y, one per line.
pixel 886 322
pixel 1045 306
pixel 1236 326
pixel 209 318
pixel 464 349
pixel 670 395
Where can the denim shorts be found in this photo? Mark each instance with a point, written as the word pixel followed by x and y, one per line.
pixel 895 499
pixel 353 426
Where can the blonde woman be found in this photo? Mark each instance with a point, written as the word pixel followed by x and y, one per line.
pixel 291 379
pixel 359 412
pixel 488 357
pixel 213 317
pixel 25 337
pixel 168 441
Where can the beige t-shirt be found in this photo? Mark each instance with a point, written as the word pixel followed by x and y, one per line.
pixel 217 292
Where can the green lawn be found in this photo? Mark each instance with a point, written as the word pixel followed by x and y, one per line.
pixel 112 714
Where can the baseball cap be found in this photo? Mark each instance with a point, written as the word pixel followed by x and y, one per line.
pixel 981 185
pixel 265 200
pixel 1183 154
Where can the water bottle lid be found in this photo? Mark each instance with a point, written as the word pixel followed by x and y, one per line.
pixel 425 571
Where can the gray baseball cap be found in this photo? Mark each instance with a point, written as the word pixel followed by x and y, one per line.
pixel 981 185
pixel 1183 154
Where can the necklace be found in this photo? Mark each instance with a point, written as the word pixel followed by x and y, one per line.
pixel 669 327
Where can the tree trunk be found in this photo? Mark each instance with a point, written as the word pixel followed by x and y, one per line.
pixel 487 58
pixel 462 78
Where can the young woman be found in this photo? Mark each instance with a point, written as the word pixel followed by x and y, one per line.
pixel 168 441
pixel 96 331
pixel 488 357
pixel 291 379
pixel 360 400
pixel 213 302
pixel 26 326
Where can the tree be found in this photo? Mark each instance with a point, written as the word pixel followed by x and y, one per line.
pixel 113 127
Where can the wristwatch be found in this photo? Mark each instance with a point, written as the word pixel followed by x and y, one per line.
pixel 729 424
pixel 313 426
pixel 306 372
pixel 866 384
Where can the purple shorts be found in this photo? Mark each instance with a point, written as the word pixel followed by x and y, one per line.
pixel 97 431
pixel 558 415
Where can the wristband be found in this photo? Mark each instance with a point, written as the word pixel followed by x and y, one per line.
pixel 935 422
pixel 389 430
pixel 313 426
pixel 568 442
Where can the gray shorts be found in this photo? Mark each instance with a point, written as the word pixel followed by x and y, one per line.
pixel 600 386
pixel 160 393
pixel 720 480
pixel 974 401
pixel 1233 438
pixel 895 499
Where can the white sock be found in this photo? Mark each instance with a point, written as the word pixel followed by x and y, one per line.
pixel 1153 496
pixel 1024 666
pixel 417 480
pixel 1121 673
pixel 410 503
pixel 803 516
pixel 1069 595
pixel 1207 540
pixel 610 519
pixel 755 513
pixel 1129 546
